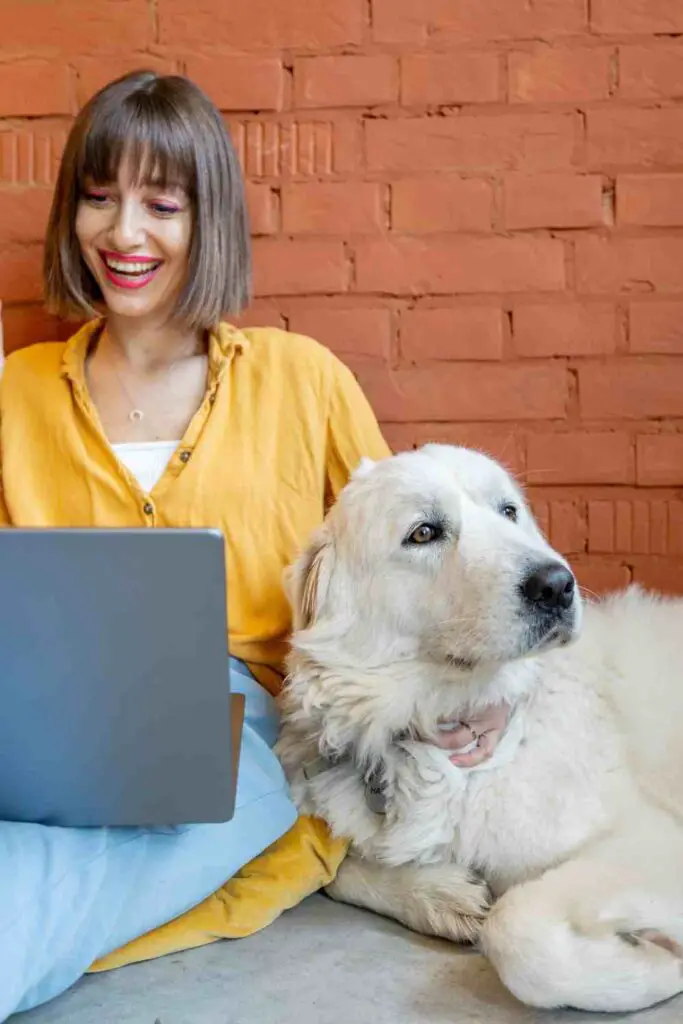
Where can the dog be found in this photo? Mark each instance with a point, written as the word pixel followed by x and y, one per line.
pixel 505 757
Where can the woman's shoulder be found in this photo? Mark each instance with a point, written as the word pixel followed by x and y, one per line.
pixel 42 359
pixel 281 345
pixel 296 357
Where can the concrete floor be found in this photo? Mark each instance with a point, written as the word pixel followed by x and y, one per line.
pixel 319 964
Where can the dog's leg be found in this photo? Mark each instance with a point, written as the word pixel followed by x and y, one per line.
pixel 435 899
pixel 603 932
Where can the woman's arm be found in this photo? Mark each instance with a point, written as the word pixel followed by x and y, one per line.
pixel 4 514
pixel 352 430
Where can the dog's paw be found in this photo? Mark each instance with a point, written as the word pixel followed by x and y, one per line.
pixel 450 908
pixel 443 900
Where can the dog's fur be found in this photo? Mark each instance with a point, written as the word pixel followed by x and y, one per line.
pixel 575 825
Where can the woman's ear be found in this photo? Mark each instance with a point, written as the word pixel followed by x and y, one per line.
pixel 307 581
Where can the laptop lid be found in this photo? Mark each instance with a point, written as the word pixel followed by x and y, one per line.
pixel 114 678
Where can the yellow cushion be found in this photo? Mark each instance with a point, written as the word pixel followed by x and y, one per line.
pixel 304 860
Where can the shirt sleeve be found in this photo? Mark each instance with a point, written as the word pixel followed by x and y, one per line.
pixel 4 514
pixel 352 430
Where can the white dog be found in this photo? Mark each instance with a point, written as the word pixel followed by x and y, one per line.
pixel 429 612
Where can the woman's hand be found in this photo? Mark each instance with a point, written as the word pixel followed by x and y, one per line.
pixel 474 741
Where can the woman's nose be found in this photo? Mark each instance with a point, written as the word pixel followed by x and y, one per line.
pixel 127 231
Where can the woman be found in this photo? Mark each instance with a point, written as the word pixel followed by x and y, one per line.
pixel 157 413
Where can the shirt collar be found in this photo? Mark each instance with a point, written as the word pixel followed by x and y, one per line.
pixel 224 342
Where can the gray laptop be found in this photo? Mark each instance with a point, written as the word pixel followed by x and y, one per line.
pixel 115 705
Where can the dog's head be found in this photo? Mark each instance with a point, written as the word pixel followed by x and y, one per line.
pixel 435 555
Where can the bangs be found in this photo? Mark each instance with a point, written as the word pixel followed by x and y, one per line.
pixel 147 133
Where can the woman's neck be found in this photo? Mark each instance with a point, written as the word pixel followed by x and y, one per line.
pixel 148 347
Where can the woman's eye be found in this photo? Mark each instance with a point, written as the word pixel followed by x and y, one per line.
pixel 425 533
pixel 164 209
pixel 96 198
pixel 510 512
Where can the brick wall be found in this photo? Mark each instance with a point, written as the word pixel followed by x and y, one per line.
pixel 477 203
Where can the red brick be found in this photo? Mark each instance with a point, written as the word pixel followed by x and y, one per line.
pixel 23 214
pixel 413 266
pixel 552 201
pixel 541 513
pixel 652 200
pixel 568 528
pixel 463 332
pixel 76 27
pixel 597 577
pixel 659 460
pixel 656 327
pixel 502 445
pixel 651 72
pixel 292 148
pixel 580 458
pixel 34 88
pixel 357 333
pixel 617 17
pixel 675 527
pixel 263 213
pixel 21 274
pixel 601 527
pixel 451 78
pixel 635 138
pixel 468 392
pixel 336 208
pixel 441 203
pixel 283 267
pixel 262 24
pixel 346 81
pixel 239 83
pixel 564 330
pixel 27 325
pixel 553 75
pixel 260 314
pixel 347 146
pixel 661 575
pixel 631 389
pixel 30 154
pixel 509 141
pixel 628 264
pixel 423 21
pixel 93 73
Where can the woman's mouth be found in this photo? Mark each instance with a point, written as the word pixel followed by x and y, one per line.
pixel 127 271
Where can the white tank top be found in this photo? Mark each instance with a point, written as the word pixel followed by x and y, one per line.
pixel 146 460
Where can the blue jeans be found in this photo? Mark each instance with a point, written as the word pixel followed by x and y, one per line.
pixel 70 896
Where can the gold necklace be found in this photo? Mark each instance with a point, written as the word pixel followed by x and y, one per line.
pixel 136 414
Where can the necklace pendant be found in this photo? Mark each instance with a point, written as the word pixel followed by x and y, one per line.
pixel 136 415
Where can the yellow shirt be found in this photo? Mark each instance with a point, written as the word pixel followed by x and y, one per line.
pixel 282 425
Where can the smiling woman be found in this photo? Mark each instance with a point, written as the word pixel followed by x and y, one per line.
pixel 158 413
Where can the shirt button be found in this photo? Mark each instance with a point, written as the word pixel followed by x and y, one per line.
pixel 148 508
pixel 185 456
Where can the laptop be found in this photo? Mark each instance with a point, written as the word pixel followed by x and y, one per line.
pixel 115 696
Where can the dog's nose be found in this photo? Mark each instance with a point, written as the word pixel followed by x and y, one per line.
pixel 550 587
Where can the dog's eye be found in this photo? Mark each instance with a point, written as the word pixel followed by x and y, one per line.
pixel 425 533
pixel 509 511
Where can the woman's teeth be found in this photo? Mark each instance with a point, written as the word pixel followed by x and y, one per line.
pixel 120 267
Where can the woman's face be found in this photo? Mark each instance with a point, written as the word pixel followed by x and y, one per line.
pixel 135 238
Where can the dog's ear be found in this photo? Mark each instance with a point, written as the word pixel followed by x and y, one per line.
pixel 307 580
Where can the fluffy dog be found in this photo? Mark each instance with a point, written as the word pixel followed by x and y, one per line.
pixel 479 734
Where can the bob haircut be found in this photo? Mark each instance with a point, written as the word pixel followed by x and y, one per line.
pixel 173 136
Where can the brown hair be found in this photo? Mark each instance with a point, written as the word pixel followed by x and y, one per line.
pixel 174 135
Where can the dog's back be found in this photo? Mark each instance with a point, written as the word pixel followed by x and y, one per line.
pixel 632 648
